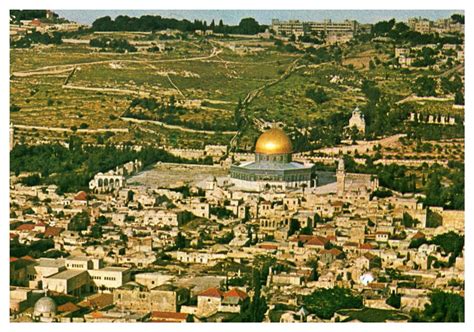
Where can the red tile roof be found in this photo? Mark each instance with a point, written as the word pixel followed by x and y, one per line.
pixel 36 22
pixel 68 307
pixel 366 246
pixel 212 292
pixel 81 196
pixel 268 246
pixel 333 251
pixel 235 292
pixel 25 227
pixel 418 235
pixel 166 316
pixel 53 231
pixel 97 314
pixel 317 241
pixel 350 244
pixel 98 301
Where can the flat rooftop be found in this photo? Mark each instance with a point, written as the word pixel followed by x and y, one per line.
pixel 50 262
pixel 68 274
pixel 114 269
pixel 79 258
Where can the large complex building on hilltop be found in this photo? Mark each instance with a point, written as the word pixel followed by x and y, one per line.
pixel 273 165
pixel 299 28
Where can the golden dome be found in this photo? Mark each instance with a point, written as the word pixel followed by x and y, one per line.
pixel 273 141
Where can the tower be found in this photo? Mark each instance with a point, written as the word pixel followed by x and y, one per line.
pixel 341 177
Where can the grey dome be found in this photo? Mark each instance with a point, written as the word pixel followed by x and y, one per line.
pixel 45 306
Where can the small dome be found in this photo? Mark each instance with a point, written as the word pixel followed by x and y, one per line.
pixel 274 141
pixel 45 306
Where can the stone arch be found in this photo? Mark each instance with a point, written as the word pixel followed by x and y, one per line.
pixel 100 182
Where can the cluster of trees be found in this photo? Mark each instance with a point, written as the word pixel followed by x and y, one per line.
pixel 443 307
pixel 288 47
pixel 401 33
pixel 457 18
pixel 310 39
pixel 221 212
pixel 21 15
pixel 394 300
pixel 380 118
pixel 79 222
pixel 325 302
pixel 318 95
pixel 170 113
pixel 255 311
pixel 453 85
pixel 402 179
pixel 36 37
pixel 72 168
pixel 14 108
pixel 324 54
pixel 425 131
pixel 117 45
pixel 451 244
pixel 180 241
pixel 328 131
pixel 425 86
pixel 437 194
pixel 35 249
pixel 247 26
pixel 425 58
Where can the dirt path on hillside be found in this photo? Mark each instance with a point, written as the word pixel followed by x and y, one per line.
pixel 55 69
pixel 181 128
pixel 256 92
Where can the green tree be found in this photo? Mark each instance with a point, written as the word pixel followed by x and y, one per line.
pixel 459 98
pixel 425 86
pixel 258 304
pixel 444 307
pixel 394 300
pixel 79 222
pixel 249 26
pixel 96 231
pixel 180 241
pixel 325 302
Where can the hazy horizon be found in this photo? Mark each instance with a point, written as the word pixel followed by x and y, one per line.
pixel 262 16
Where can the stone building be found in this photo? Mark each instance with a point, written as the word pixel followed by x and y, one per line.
pixel 357 120
pixel 273 166
pixel 135 297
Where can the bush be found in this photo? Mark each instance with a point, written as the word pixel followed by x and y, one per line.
pixel 325 302
pixel 318 96
pixel 32 180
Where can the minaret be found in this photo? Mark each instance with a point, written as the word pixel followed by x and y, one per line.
pixel 341 177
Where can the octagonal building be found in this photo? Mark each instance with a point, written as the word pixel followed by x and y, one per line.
pixel 273 166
